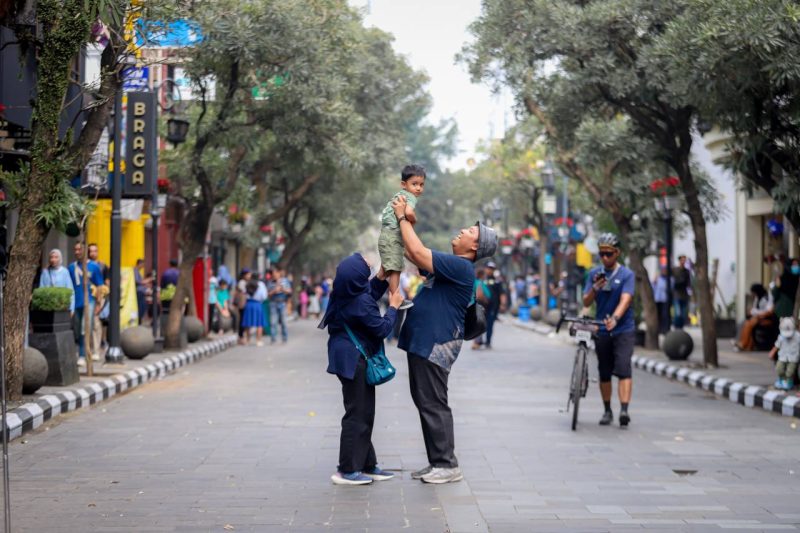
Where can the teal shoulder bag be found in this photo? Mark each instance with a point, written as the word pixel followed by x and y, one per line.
pixel 379 369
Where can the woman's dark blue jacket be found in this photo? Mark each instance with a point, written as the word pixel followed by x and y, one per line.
pixel 363 316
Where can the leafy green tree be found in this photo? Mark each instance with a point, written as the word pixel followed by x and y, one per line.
pixel 588 55
pixel 40 189
pixel 738 63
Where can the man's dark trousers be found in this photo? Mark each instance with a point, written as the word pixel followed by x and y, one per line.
pixel 356 453
pixel 491 316
pixel 429 392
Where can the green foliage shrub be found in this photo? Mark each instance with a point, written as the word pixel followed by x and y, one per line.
pixel 51 299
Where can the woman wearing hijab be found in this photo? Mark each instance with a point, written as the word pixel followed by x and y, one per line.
pixel 56 275
pixel 353 302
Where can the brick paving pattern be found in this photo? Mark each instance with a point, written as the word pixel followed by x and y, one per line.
pixel 247 440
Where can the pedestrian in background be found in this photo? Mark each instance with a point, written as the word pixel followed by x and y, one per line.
pixel 482 296
pixel 280 289
pixel 661 297
pixel 253 316
pixel 681 285
pixel 170 275
pixel 56 275
pixel 94 278
pixel 102 307
pixel 142 284
pixel 498 300
pixel 761 314
pixel 353 305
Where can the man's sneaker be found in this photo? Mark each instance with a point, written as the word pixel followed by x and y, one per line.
pixel 354 478
pixel 607 418
pixel 624 419
pixel 443 475
pixel 778 383
pixel 405 305
pixel 421 472
pixel 376 474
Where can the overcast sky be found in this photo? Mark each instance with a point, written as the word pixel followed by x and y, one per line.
pixel 430 33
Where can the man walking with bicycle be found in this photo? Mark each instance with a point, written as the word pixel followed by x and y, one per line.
pixel 611 287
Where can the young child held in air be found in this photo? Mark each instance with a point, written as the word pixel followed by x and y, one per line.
pixel 390 243
pixel 787 352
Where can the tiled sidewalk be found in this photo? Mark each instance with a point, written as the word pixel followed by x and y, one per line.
pixel 53 401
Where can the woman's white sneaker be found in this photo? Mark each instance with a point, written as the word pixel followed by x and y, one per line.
pixel 443 475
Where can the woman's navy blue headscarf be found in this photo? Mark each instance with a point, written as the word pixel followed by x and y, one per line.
pixel 351 281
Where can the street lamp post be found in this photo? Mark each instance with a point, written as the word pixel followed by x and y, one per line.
pixel 114 353
pixel 548 185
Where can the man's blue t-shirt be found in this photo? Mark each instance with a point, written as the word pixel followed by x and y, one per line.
pixel 607 299
pixel 95 279
pixel 434 327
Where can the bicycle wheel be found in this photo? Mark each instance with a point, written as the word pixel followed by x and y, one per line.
pixel 578 374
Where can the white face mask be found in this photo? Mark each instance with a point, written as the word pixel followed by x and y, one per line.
pixel 787 330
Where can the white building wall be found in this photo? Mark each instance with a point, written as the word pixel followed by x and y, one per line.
pixel 721 235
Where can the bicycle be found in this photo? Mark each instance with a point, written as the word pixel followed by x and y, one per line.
pixel 583 329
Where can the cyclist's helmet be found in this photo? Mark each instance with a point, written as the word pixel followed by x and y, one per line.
pixel 608 239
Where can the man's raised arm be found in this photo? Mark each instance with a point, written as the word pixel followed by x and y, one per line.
pixel 416 252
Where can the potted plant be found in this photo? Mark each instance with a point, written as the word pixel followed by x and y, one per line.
pixel 50 309
pixel 164 186
pixel 52 334
pixel 167 294
pixel 726 321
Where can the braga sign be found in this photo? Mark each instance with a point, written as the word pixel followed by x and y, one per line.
pixel 140 145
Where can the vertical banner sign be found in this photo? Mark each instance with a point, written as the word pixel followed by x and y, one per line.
pixel 140 145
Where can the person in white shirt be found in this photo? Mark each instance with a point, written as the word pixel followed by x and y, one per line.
pixel 786 354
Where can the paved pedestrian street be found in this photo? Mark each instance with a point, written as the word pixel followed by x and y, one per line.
pixel 247 441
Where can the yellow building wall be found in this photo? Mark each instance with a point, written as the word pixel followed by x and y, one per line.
pixel 98 230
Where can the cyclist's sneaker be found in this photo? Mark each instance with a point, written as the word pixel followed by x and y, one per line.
pixel 607 418
pixel 376 474
pixel 353 478
pixel 421 472
pixel 443 475
pixel 624 419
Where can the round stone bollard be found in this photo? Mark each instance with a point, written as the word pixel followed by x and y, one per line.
pixel 137 342
pixel 194 328
pixel 552 317
pixel 34 370
pixel 536 313
pixel 226 323
pixel 678 345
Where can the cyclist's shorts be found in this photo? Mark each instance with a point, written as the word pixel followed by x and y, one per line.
pixel 614 355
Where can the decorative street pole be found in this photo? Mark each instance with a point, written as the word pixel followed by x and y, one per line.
pixel 114 353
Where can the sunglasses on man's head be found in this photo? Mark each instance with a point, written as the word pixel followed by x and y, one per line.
pixel 606 254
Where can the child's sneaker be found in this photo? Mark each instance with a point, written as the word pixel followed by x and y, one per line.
pixel 405 305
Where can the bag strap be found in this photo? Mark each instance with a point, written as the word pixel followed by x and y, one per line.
pixel 359 347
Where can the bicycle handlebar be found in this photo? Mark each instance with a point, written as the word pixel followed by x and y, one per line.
pixel 579 320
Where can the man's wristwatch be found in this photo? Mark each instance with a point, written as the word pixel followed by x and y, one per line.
pixel 402 218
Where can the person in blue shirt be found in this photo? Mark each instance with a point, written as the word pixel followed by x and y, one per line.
pixel 354 304
pixel 95 277
pixel 434 331
pixel 662 300
pixel 611 287
pixel 279 290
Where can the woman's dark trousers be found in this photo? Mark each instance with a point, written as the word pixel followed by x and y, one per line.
pixel 429 391
pixel 356 453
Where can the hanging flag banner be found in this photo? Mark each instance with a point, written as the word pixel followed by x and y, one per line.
pixel 140 145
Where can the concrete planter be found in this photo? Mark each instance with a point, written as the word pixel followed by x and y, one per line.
pixel 61 353
pixel 726 328
pixel 50 321
pixel 194 328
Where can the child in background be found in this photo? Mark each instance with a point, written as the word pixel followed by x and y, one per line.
pixel 787 353
pixel 390 243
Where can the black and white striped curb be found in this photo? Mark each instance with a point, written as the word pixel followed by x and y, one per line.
pixel 741 393
pixel 30 416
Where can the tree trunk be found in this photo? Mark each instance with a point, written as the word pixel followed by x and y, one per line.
pixel 645 291
pixel 25 256
pixel 193 238
pixel 703 297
